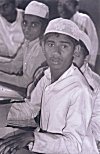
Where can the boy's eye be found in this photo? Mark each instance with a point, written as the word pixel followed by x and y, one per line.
pixel 24 23
pixel 64 46
pixel 34 24
pixel 50 44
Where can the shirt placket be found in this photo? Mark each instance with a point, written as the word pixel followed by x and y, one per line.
pixel 26 57
pixel 48 94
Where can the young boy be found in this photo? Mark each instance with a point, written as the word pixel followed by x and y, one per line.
pixel 65 113
pixel 81 60
pixel 30 55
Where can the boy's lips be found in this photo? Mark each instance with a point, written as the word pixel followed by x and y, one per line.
pixel 55 61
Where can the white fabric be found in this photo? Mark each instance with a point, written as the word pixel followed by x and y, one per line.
pixel 94 81
pixel 86 40
pixel 86 24
pixel 11 35
pixel 63 26
pixel 32 56
pixel 65 114
pixel 37 9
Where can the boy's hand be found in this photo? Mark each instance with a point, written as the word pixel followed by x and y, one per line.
pixel 13 143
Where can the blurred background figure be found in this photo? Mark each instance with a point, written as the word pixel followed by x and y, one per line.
pixel 68 9
pixel 11 34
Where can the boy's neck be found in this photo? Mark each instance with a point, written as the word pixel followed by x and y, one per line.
pixel 56 73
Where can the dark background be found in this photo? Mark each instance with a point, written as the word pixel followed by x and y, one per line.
pixel 91 7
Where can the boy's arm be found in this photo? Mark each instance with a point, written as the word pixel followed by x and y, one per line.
pixel 29 109
pixel 74 132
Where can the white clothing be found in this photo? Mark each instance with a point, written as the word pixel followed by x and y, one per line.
pixel 94 81
pixel 65 114
pixel 86 24
pixel 30 57
pixel 11 36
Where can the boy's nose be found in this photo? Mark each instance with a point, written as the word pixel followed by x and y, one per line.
pixel 57 50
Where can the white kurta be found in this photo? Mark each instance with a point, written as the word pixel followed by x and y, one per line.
pixel 66 111
pixel 94 81
pixel 30 57
pixel 86 24
pixel 11 36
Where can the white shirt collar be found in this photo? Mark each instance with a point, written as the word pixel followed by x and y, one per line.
pixel 84 67
pixel 63 76
pixel 75 15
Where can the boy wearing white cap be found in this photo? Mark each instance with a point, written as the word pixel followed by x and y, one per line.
pixel 81 61
pixel 30 55
pixel 65 113
pixel 68 9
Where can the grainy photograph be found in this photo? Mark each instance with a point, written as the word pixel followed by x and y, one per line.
pixel 49 76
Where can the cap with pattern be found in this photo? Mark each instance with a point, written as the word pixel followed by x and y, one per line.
pixel 63 26
pixel 37 9
pixel 86 40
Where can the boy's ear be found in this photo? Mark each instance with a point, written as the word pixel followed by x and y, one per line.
pixel 77 49
pixel 86 60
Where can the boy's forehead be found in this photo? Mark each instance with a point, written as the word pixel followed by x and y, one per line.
pixel 31 18
pixel 62 37
pixel 65 1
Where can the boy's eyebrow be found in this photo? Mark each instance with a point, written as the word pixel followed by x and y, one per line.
pixel 65 41
pixel 49 40
pixel 35 22
pixel 24 20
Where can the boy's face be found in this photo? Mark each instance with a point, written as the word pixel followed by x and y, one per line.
pixel 58 49
pixel 66 8
pixel 7 7
pixel 32 27
pixel 79 57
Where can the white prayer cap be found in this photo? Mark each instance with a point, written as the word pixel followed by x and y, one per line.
pixel 37 9
pixel 86 40
pixel 63 26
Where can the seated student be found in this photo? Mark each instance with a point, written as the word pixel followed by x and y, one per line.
pixel 68 9
pixel 65 113
pixel 30 55
pixel 81 61
pixel 11 34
